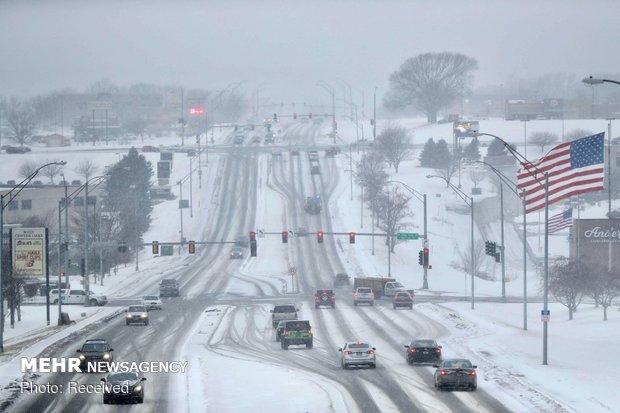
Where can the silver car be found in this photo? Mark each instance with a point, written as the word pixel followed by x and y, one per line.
pixel 137 314
pixel 363 295
pixel 357 353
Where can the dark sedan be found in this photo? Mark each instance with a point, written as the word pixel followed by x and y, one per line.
pixel 456 374
pixel 403 299
pixel 423 351
pixel 125 387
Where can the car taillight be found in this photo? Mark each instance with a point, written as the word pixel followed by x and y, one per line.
pixel 438 350
pixel 443 372
pixel 472 373
pixel 412 350
pixel 348 352
pixel 370 352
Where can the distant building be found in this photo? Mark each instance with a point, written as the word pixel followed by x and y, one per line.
pixel 55 140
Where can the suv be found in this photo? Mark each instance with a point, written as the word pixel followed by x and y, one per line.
pixel 403 299
pixel 341 280
pixel 324 297
pixel 363 295
pixel 283 312
pixel 168 288
pixel 236 253
pixel 137 314
pixel 94 350
pixel 78 297
pixel 296 332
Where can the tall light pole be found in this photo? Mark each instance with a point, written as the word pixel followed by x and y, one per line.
pixel 469 200
pixel 11 195
pixel 374 114
pixel 422 198
pixel 330 90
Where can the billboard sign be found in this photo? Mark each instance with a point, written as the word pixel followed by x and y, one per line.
pixel 596 241
pixel 29 252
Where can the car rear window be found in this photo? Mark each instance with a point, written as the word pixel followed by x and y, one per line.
pixel 284 309
pixel 324 291
pixel 457 364
pixel 423 343
pixel 298 325
pixel 168 281
pixel 151 297
pixel 364 290
pixel 358 345
pixel 402 295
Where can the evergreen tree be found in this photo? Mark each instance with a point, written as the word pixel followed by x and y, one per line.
pixel 427 156
pixel 442 158
pixel 472 150
pixel 496 148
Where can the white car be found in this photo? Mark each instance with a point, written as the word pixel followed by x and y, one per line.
pixel 137 314
pixel 357 353
pixel 70 296
pixel 152 302
pixel 363 295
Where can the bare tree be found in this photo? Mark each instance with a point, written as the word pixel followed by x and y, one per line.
pixel 27 168
pixel 448 172
pixel 430 82
pixel 371 175
pixel 86 169
pixel 464 262
pixel 604 287
pixel 543 139
pixel 391 208
pixel 52 171
pixel 577 134
pixel 20 121
pixel 568 282
pixel 393 144
pixel 476 175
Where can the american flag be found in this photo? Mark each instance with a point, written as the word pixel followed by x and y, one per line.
pixel 574 168
pixel 560 221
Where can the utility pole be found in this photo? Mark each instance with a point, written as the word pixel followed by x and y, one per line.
pixel 181 213
pixel 67 236
pixel 525 138
pixel 503 248
pixel 471 200
pixel 86 277
pixel 191 190
pixel 182 118
pixel 374 115
pixel 106 127
pixel 425 280
pixel 59 262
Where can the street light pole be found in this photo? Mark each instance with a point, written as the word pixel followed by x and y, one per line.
pixel 374 114
pixel 86 275
pixel 59 262
pixel 503 245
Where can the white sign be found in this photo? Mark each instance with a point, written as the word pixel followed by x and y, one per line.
pixel 100 105
pixel 28 247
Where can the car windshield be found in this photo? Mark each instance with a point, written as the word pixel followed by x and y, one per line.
pixel 130 376
pixel 137 309
pixel 284 309
pixel 457 364
pixel 424 343
pixel 94 347
pixel 402 295
pixel 151 297
pixel 358 345
pixel 298 325
pixel 324 292
pixel 364 290
pixel 168 282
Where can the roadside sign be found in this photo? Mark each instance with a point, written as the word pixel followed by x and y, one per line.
pixel 29 251
pixel 545 315
pixel 100 105
pixel 166 250
pixel 407 235
pixel 183 203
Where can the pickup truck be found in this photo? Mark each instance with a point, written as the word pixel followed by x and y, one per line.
pixel 391 288
pixel 283 312
pixel 377 284
pixel 78 297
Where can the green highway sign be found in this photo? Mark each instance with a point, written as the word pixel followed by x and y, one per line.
pixel 407 235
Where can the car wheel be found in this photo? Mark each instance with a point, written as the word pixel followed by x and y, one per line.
pixel 394 306
pixel 93 302
pixel 411 307
pixel 344 366
pixel 126 323
pixel 373 366
pixel 372 304
pixel 309 345
pixel 141 399
pixel 316 306
pixel 106 400
pixel 284 345
pixel 146 323
pixel 355 303
pixel 473 388
pixel 334 305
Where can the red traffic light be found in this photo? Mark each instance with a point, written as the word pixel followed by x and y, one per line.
pixel 284 237
pixel 252 236
pixel 319 237
pixel 155 247
pixel 351 237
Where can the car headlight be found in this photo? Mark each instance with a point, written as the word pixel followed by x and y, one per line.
pixel 82 357
pixel 137 388
pixel 128 315
pixel 106 356
pixel 143 315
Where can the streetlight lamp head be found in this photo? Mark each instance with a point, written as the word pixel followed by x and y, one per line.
pixel 592 80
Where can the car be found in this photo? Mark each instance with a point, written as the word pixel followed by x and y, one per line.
pixel 81 297
pixel 238 140
pixel 363 295
pixel 312 205
pixel 236 253
pixel 455 374
pixel 283 312
pixel 392 287
pixel 294 152
pixel 280 328
pixel 331 152
pixel 126 387
pixel 276 153
pixel 92 352
pixel 169 287
pixel 423 351
pixel 341 280
pixel 137 314
pixel 269 137
pixel 357 353
pixel 152 302
pixel 150 148
pixel 242 241
pixel 315 170
pixel 402 299
pixel 324 298
pixel 296 332
pixel 313 155
pixel 256 139
pixel 17 149
pixel 302 232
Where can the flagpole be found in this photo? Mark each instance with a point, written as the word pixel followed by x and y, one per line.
pixel 609 249
pixel 546 286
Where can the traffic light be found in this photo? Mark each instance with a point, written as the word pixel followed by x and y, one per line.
pixel 310 115
pixel 253 244
pixel 319 237
pixel 284 237
pixel 191 246
pixel 294 115
pixel 155 247
pixel 426 260
pixel 421 257
pixel 351 237
pixel 490 248
pixel 275 117
pixel 498 257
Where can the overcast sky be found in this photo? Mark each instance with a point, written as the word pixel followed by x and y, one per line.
pixel 289 45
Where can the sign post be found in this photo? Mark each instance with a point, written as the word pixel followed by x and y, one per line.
pixel 407 236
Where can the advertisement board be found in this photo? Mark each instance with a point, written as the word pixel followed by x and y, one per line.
pixel 596 241
pixel 28 250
